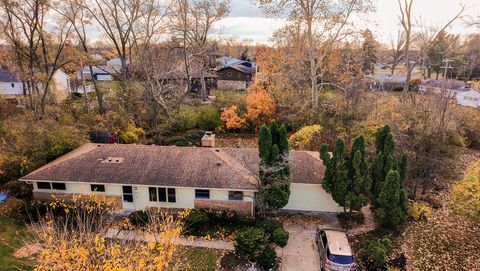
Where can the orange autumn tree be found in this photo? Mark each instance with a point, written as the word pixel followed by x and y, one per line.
pixel 260 105
pixel 231 118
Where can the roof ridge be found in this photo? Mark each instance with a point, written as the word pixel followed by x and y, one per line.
pixel 234 163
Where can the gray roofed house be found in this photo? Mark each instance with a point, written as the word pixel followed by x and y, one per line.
pixel 141 176
pixel 10 84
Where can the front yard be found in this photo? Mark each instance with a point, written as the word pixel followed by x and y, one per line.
pixel 11 234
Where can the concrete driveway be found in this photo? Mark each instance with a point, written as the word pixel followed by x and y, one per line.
pixel 301 252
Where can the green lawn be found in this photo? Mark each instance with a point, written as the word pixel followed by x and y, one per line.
pixel 201 259
pixel 11 233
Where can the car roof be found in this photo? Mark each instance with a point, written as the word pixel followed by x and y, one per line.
pixel 338 243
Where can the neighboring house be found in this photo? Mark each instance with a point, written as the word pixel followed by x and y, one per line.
pixel 226 61
pixel 470 98
pixel 235 77
pixel 100 73
pixel 12 87
pixel 387 82
pixel 10 84
pixel 141 176
pixel 61 89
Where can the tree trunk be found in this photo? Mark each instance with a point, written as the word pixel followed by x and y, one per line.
pixel 313 66
pixel 98 92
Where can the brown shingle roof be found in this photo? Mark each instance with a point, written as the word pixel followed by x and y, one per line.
pixel 170 166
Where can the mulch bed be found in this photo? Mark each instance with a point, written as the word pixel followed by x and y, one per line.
pixel 231 262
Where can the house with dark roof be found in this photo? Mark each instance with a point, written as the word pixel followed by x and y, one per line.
pixel 235 77
pixel 10 84
pixel 140 176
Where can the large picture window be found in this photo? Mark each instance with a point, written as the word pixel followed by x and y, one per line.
pixel 162 194
pixel 202 194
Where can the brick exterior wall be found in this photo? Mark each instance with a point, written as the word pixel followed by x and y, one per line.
pixel 44 196
pixel 229 84
pixel 240 207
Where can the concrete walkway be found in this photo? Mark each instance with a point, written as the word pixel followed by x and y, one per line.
pixel 137 235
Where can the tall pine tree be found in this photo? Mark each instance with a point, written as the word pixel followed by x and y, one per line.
pixel 346 179
pixel 274 168
pixel 390 211
pixel 369 52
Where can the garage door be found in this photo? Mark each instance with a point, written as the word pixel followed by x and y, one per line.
pixel 311 197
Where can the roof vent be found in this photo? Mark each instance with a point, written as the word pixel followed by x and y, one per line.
pixel 112 160
pixel 208 140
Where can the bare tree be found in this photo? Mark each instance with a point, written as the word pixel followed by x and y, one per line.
pixel 325 23
pixel 397 50
pixel 39 49
pixel 117 19
pixel 75 13
pixel 190 26
pixel 406 22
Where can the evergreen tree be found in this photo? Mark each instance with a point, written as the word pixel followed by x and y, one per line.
pixel 377 176
pixel 357 194
pixel 436 54
pixel 390 211
pixel 244 55
pixel 274 168
pixel 369 52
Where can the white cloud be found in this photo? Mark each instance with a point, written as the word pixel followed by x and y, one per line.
pixel 257 29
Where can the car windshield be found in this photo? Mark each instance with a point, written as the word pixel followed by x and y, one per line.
pixel 340 259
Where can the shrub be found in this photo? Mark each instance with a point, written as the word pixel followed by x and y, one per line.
pixel 189 138
pixel 269 225
pixel 280 237
pixel 231 118
pixel 454 139
pixel 465 195
pixel 138 218
pixel 209 118
pixel 420 211
pixel 376 252
pixel 247 221
pixel 19 189
pixel 205 117
pixel 131 134
pixel 223 217
pixel 195 220
pixel 267 259
pixel 11 207
pixel 303 137
pixel 250 242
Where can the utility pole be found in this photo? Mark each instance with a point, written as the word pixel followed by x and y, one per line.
pixel 446 67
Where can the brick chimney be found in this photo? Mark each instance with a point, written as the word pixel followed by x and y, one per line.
pixel 208 140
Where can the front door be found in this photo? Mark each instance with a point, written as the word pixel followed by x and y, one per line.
pixel 128 198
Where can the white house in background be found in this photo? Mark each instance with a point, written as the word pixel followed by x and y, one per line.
pixel 114 62
pixel 100 73
pixel 10 84
pixel 12 87
pixel 61 89
pixel 469 98
pixel 140 176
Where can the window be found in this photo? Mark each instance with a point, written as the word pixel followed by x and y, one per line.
pixel 127 193
pixel 229 74
pixel 235 195
pixel 54 186
pixel 152 191
pixel 59 186
pixel 162 194
pixel 43 185
pixel 171 195
pixel 202 194
pixel 97 187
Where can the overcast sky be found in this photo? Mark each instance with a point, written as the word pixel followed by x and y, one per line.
pixel 246 20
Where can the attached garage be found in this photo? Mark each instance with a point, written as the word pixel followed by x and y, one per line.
pixel 311 198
